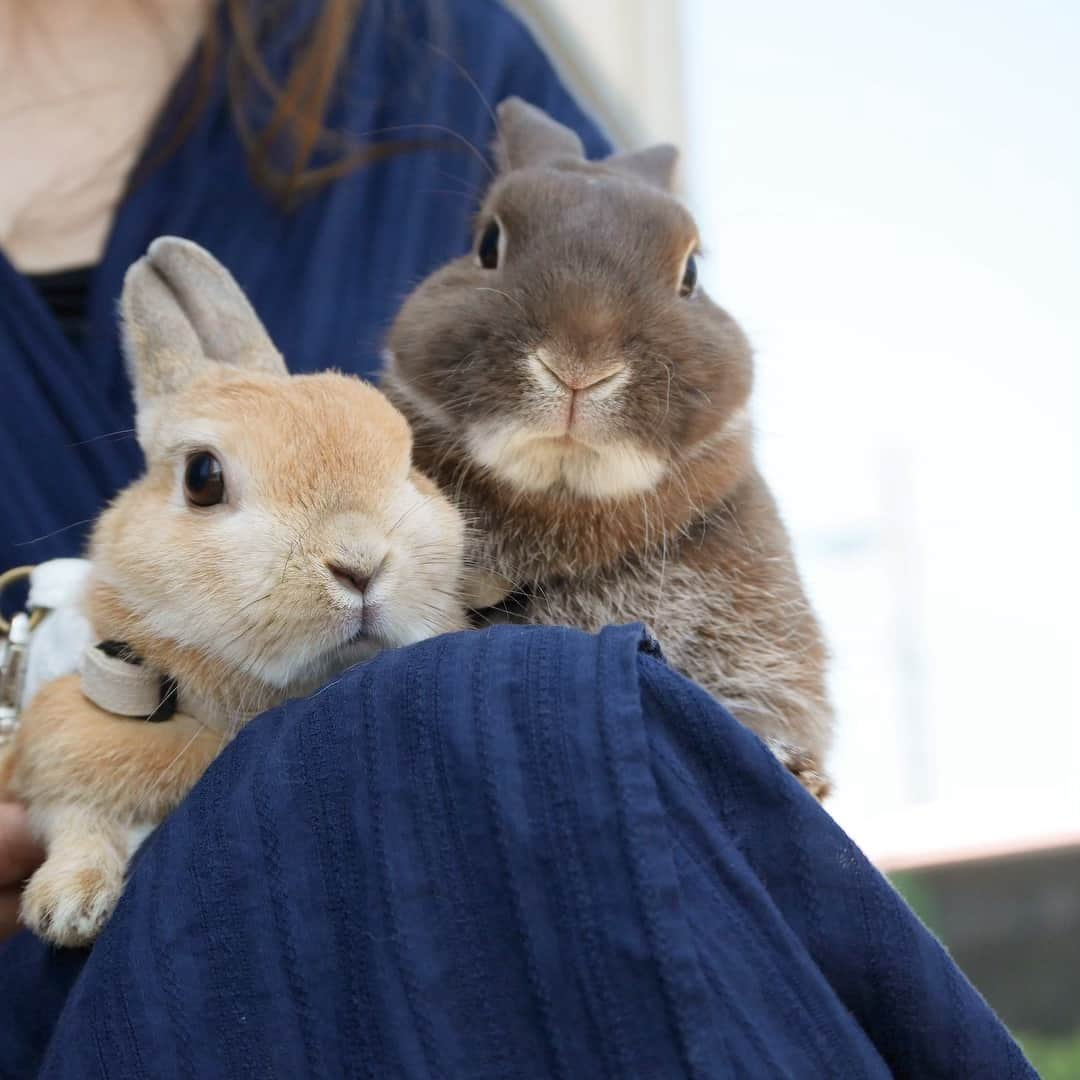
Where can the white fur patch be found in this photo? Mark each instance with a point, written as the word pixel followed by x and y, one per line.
pixel 75 917
pixel 736 427
pixel 537 463
pixel 136 834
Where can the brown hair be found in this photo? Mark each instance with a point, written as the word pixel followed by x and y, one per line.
pixel 282 150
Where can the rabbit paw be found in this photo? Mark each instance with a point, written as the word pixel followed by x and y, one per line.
pixel 804 768
pixel 69 905
pixel 485 589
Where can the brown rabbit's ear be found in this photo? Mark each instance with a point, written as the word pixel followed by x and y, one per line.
pixel 528 137
pixel 182 312
pixel 655 165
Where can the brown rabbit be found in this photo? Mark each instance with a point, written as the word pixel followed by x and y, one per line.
pixel 573 387
pixel 278 535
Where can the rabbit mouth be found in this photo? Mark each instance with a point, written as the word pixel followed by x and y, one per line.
pixel 572 438
pixel 369 628
pixel 364 635
pixel 565 442
pixel 360 646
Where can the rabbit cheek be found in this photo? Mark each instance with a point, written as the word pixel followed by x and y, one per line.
pixel 421 595
pixel 425 404
pixel 218 585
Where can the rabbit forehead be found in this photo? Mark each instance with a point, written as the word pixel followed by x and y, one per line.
pixel 584 204
pixel 295 438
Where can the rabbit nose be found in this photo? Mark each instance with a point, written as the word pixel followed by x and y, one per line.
pixel 354 580
pixel 579 376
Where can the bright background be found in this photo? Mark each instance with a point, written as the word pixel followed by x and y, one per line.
pixel 887 194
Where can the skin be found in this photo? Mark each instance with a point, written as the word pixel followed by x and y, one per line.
pixel 19 857
pixel 78 120
pixel 78 117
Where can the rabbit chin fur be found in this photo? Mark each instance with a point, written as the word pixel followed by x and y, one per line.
pixel 539 462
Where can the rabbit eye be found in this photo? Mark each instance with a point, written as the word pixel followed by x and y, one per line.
pixel 488 249
pixel 689 280
pixel 204 481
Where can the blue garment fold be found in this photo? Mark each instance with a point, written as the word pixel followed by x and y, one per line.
pixel 520 852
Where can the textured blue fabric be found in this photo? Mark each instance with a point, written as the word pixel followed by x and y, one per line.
pixel 327 279
pixel 522 852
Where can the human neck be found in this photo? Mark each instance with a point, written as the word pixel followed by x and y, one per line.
pixel 80 85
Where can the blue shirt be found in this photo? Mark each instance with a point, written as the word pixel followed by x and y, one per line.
pixel 524 852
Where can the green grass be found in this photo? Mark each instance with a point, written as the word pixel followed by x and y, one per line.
pixel 1053 1059
pixel 918 898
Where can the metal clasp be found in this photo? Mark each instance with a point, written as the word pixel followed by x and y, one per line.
pixel 14 639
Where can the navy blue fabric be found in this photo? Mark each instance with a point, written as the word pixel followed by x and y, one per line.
pixel 522 852
pixel 327 279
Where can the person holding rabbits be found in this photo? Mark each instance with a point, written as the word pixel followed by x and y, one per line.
pixel 522 851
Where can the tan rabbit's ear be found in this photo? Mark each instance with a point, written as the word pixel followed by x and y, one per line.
pixel 182 313
pixel 528 136
pixel 655 165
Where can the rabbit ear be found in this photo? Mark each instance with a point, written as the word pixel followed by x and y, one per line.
pixel 656 165
pixel 528 136
pixel 182 312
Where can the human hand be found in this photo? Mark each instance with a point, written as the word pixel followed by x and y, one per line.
pixel 20 855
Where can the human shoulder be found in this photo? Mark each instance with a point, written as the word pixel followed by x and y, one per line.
pixel 488 46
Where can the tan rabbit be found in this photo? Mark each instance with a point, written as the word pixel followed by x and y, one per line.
pixel 573 387
pixel 278 535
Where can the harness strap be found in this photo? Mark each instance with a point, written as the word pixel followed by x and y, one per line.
pixel 115 679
